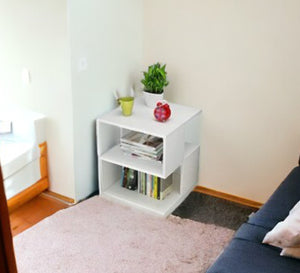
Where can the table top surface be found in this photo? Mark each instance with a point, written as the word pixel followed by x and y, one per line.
pixel 143 120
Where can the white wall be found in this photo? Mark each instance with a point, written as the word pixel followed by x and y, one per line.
pixel 239 61
pixel 33 34
pixel 108 34
pixel 50 38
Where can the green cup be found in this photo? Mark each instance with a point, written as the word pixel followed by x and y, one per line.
pixel 126 105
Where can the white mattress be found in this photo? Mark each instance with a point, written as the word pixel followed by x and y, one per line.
pixel 16 155
pixel 19 151
pixel 22 179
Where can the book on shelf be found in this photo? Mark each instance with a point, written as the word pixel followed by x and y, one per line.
pixel 129 178
pixel 165 187
pixel 142 145
pixel 146 184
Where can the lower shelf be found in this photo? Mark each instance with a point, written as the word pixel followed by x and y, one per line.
pixel 134 199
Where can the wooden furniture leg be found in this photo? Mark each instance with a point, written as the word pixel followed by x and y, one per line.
pixel 7 256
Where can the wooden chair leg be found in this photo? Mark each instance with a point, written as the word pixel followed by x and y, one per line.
pixel 7 255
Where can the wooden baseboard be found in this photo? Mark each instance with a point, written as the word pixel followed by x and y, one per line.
pixel 229 197
pixel 28 194
pixel 60 197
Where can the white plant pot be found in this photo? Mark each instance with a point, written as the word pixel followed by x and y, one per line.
pixel 151 99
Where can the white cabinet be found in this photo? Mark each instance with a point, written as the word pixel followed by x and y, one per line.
pixel 180 136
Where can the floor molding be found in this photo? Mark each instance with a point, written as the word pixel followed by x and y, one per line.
pixel 229 197
pixel 60 197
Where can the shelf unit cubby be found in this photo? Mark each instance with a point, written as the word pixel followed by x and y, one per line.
pixel 180 135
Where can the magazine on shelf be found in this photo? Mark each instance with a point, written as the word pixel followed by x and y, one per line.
pixel 143 155
pixel 129 147
pixel 143 146
pixel 144 141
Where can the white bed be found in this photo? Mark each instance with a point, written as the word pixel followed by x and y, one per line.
pixel 19 150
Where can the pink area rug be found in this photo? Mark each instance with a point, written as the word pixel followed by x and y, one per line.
pixel 100 236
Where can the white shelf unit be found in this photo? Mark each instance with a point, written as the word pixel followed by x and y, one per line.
pixel 181 149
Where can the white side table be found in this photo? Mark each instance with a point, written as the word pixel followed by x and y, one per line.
pixel 181 149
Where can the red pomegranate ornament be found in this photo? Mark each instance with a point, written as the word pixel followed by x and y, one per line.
pixel 162 111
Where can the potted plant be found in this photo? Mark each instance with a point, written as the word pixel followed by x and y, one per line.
pixel 154 81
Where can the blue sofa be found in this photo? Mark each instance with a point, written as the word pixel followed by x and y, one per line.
pixel 246 253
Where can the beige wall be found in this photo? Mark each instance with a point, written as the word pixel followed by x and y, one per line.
pixel 240 62
pixel 237 60
pixel 33 35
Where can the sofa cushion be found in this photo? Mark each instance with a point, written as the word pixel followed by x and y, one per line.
pixel 242 256
pixel 250 232
pixel 280 203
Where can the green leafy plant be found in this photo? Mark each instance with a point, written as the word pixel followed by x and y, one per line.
pixel 155 79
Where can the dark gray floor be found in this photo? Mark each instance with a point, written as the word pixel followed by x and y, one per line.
pixel 212 210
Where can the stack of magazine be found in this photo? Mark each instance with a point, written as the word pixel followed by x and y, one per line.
pixel 143 146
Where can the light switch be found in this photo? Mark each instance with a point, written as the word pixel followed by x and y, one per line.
pixel 26 76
